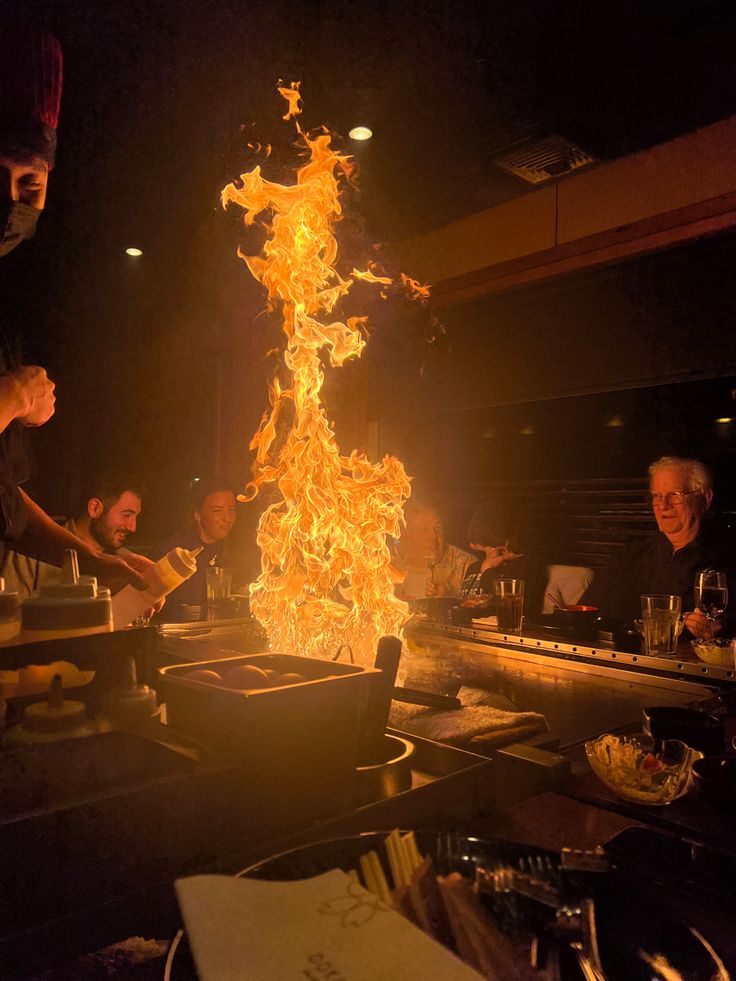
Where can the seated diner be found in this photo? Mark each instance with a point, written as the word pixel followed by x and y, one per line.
pixel 667 561
pixel 432 566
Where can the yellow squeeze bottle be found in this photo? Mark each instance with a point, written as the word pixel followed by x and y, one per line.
pixel 165 575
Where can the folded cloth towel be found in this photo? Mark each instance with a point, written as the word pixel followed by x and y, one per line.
pixel 472 723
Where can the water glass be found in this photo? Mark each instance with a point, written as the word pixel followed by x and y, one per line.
pixel 661 623
pixel 509 595
pixel 219 582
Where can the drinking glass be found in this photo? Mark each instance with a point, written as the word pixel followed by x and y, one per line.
pixel 219 581
pixel 711 594
pixel 661 623
pixel 509 595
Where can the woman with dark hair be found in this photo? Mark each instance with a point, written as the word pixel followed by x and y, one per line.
pixel 503 539
pixel 210 520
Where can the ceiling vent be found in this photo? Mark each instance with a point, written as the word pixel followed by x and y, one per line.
pixel 539 160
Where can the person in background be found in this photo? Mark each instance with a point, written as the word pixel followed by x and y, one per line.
pixel 30 98
pixel 431 565
pixel 503 541
pixel 681 493
pixel 211 519
pixel 108 513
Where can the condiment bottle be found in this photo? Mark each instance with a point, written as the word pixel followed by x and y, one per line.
pixel 164 577
pixel 57 718
pixel 9 612
pixel 71 606
pixel 129 706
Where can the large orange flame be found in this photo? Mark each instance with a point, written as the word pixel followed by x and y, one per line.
pixel 326 578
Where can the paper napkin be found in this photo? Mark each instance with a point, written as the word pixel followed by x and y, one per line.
pixel 327 928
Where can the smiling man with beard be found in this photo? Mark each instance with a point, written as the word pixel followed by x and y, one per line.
pixel 109 510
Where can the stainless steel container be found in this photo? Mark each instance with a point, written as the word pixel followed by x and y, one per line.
pixel 390 775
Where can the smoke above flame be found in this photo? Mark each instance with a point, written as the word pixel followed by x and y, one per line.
pixel 326 578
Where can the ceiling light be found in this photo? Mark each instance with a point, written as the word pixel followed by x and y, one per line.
pixel 133 251
pixel 360 133
pixel 724 420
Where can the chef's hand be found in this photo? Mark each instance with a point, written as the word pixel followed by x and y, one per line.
pixel 143 565
pixel 140 563
pixel 112 571
pixel 33 392
pixel 701 627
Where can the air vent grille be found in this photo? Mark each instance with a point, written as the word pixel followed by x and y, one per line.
pixel 544 159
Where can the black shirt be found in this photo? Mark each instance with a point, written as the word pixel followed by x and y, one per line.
pixel 652 566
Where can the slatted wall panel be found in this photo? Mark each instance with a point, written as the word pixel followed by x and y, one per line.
pixel 578 522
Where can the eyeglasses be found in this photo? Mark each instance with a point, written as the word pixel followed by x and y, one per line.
pixel 670 499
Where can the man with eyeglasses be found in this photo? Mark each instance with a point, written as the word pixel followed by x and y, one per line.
pixel 681 492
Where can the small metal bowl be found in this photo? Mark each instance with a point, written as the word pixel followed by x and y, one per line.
pixel 576 619
pixel 715 778
pixel 390 775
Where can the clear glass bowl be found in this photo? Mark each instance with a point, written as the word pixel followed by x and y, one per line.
pixel 719 651
pixel 641 769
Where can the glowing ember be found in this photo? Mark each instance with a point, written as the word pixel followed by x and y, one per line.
pixel 326 576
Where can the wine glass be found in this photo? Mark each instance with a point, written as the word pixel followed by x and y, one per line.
pixel 711 594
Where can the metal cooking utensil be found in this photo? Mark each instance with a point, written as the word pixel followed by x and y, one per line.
pixel 429 698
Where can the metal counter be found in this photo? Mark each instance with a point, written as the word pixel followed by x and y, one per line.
pixel 582 691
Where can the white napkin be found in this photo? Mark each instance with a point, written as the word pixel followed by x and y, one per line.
pixel 327 928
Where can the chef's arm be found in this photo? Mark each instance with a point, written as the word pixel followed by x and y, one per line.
pixel 44 539
pixel 11 404
pixel 26 394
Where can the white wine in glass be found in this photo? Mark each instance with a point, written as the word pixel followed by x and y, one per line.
pixel 711 594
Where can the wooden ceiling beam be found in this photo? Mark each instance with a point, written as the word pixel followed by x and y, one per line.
pixel 638 238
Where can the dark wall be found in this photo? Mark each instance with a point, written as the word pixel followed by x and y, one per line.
pixel 590 377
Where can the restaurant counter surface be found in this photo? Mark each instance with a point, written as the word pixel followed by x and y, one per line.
pixel 581 691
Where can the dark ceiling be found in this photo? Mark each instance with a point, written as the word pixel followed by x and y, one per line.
pixel 156 93
pixel 160 100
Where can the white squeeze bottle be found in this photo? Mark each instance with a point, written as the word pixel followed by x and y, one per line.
pixel 162 578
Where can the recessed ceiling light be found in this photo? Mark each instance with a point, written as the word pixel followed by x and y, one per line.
pixel 133 251
pixel 724 420
pixel 360 133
